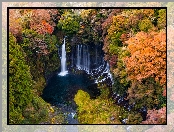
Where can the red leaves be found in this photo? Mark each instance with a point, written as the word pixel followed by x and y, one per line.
pixel 164 92
pixel 113 60
pixel 48 27
pixel 156 116
pixel 41 20
pixel 124 37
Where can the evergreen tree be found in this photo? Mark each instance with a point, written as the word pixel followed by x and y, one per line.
pixel 20 82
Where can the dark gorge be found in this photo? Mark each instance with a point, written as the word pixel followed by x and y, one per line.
pixel 85 68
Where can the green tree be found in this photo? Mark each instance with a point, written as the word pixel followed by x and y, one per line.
pixel 145 25
pixel 69 23
pixel 96 111
pixel 162 19
pixel 20 82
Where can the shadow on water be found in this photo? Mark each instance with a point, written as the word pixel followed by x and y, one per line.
pixel 62 89
pixel 85 69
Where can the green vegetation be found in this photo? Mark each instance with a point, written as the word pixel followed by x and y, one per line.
pixel 20 82
pixel 134 45
pixel 32 57
pixel 69 23
pixel 96 111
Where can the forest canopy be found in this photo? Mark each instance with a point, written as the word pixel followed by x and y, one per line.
pixel 134 45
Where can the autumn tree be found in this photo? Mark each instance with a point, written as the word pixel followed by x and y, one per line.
pixel 117 29
pixel 122 25
pixel 135 46
pixel 42 20
pixel 156 116
pixel 148 56
pixel 15 22
pixel 146 69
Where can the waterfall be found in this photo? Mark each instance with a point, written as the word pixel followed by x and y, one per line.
pixel 91 60
pixel 83 63
pixel 103 70
pixel 78 56
pixel 63 61
pixel 88 61
pixel 83 58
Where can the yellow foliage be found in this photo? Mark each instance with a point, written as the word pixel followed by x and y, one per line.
pixel 52 120
pixel 97 111
pixel 51 110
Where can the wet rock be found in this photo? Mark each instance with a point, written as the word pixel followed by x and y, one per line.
pixel 124 121
pixel 112 118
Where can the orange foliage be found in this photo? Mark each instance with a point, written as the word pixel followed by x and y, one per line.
pixel 148 56
pixel 41 21
pixel 48 27
pixel 148 12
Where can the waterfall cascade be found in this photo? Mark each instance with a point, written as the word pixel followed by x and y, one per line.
pixel 87 58
pixel 63 61
pixel 91 60
pixel 83 58
pixel 104 69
